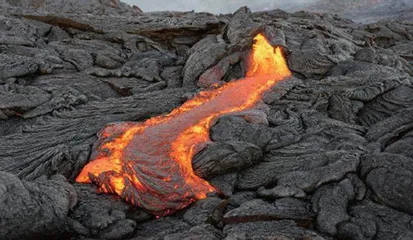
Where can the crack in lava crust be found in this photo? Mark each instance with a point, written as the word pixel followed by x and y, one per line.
pixel 149 164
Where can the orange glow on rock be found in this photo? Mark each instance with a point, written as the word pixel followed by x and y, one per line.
pixel 149 164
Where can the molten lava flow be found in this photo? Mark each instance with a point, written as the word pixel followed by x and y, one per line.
pixel 150 164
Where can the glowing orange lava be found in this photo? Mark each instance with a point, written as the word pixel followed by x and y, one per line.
pixel 150 164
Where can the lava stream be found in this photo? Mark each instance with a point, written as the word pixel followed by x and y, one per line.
pixel 150 164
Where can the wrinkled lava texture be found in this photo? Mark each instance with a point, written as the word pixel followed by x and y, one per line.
pixel 150 164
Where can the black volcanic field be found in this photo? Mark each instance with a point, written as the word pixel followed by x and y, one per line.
pixel 327 154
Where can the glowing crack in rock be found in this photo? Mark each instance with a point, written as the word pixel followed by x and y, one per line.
pixel 149 164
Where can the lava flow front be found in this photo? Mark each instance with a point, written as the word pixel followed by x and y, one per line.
pixel 149 164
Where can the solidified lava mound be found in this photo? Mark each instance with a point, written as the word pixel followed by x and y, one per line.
pixel 324 154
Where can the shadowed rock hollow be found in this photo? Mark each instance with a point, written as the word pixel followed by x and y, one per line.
pixel 326 154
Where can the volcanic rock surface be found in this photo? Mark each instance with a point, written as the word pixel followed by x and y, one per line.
pixel 327 154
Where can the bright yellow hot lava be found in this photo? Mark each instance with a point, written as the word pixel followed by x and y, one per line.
pixel 150 164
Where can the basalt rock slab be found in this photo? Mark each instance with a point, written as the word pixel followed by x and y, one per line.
pixel 91 87
pixel 172 75
pixel 160 228
pixel 305 171
pixel 401 145
pixel 170 28
pixel 92 7
pixel 268 230
pixel 146 69
pixel 61 98
pixel 312 179
pixel 206 211
pixel 217 74
pixel 103 216
pixel 386 131
pixel 34 209
pixel 202 56
pixel 389 176
pixel 130 86
pixel 221 158
pixel 225 184
pixel 241 27
pixel 310 64
pixel 331 202
pixel 283 209
pixel 83 54
pixel 234 128
pixel 370 220
pixel 386 58
pixel 386 105
pixel 27 33
pixel 16 66
pixel 280 192
pixel 240 198
pixel 202 232
pixel 21 99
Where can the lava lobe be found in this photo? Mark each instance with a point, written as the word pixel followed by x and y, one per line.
pixel 149 164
